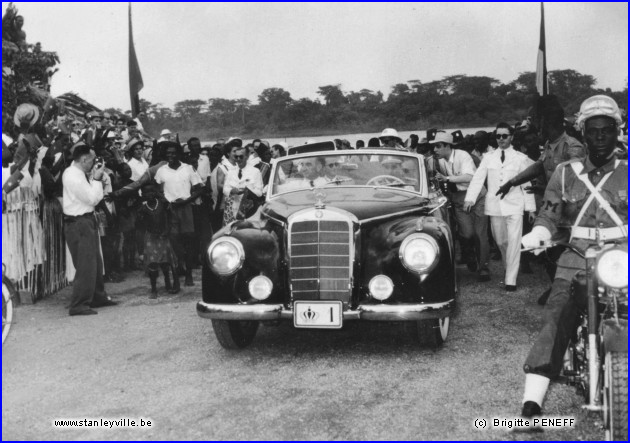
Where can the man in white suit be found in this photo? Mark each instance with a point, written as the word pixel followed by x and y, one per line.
pixel 506 215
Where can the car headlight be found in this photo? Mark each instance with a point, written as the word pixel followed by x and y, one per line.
pixel 260 287
pixel 381 287
pixel 612 268
pixel 226 255
pixel 419 253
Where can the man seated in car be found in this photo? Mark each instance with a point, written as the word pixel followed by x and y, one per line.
pixel 306 173
pixel 332 167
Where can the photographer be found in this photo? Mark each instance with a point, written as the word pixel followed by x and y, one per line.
pixel 81 195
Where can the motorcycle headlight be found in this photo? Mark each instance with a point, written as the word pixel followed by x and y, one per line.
pixel 419 253
pixel 612 268
pixel 226 255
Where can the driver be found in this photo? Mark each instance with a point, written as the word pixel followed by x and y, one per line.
pixel 570 201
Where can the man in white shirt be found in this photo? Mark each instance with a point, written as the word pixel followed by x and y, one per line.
pixel 457 168
pixel 80 196
pixel 181 186
pixel 238 180
pixel 506 215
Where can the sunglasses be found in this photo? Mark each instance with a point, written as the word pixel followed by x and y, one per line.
pixel 502 136
pixel 239 157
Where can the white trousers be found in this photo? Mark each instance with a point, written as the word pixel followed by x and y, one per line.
pixel 507 232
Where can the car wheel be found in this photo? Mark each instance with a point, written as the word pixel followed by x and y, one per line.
pixel 235 334
pixel 430 333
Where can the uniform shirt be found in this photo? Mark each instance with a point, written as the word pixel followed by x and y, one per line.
pixel 563 149
pixel 562 204
pixel 80 195
pixel 179 182
pixel 498 173
pixel 459 163
pixel 138 167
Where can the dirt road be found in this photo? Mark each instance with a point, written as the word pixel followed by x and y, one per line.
pixel 158 361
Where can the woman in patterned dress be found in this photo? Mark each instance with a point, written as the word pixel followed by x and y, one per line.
pixel 158 252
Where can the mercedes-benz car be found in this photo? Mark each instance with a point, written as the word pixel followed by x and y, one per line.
pixel 342 236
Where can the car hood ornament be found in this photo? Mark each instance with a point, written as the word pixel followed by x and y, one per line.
pixel 320 196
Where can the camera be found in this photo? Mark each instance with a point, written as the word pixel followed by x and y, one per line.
pixel 99 162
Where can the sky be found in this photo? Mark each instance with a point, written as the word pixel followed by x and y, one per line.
pixel 236 50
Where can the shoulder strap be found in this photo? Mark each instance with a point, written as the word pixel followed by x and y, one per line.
pixel 595 194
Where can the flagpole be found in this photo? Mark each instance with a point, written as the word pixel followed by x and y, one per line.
pixel 135 77
pixel 542 84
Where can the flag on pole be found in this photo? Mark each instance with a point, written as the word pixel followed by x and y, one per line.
pixel 542 84
pixel 135 77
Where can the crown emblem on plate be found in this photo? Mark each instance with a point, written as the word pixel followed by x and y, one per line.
pixel 309 315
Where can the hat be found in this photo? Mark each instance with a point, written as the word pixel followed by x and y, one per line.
pixel 165 132
pixel 431 133
pixel 93 114
pixel 442 137
pixel 391 133
pixel 458 137
pixel 131 143
pixel 26 113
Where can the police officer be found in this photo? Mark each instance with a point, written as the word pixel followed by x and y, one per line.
pixel 568 202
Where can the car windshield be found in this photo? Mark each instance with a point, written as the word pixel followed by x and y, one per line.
pixel 347 169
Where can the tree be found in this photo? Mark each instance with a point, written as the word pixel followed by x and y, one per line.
pixel 243 104
pixel 275 98
pixel 333 96
pixel 189 109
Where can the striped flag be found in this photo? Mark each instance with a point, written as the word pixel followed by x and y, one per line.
pixel 135 77
pixel 542 83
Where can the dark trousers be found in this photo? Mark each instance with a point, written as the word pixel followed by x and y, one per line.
pixel 84 245
pixel 203 227
pixel 561 313
pixel 473 226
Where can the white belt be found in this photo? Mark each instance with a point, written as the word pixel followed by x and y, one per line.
pixel 604 233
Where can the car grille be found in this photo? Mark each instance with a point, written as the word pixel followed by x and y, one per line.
pixel 320 267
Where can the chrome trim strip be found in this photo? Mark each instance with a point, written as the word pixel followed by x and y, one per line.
pixel 381 312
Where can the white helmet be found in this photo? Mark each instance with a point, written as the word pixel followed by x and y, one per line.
pixel 598 106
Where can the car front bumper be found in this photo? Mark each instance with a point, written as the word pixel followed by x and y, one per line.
pixel 384 312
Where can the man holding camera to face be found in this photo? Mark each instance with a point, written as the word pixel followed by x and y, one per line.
pixel 81 194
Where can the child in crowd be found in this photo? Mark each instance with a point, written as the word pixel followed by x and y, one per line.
pixel 158 252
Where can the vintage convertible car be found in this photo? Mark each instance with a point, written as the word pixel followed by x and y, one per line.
pixel 342 236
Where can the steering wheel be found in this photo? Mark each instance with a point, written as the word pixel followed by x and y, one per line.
pixel 385 180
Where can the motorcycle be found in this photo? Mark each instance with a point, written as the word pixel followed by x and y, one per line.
pixel 596 361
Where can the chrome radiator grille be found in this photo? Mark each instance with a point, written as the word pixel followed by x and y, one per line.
pixel 320 267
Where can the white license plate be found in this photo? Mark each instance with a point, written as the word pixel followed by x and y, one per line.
pixel 317 314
